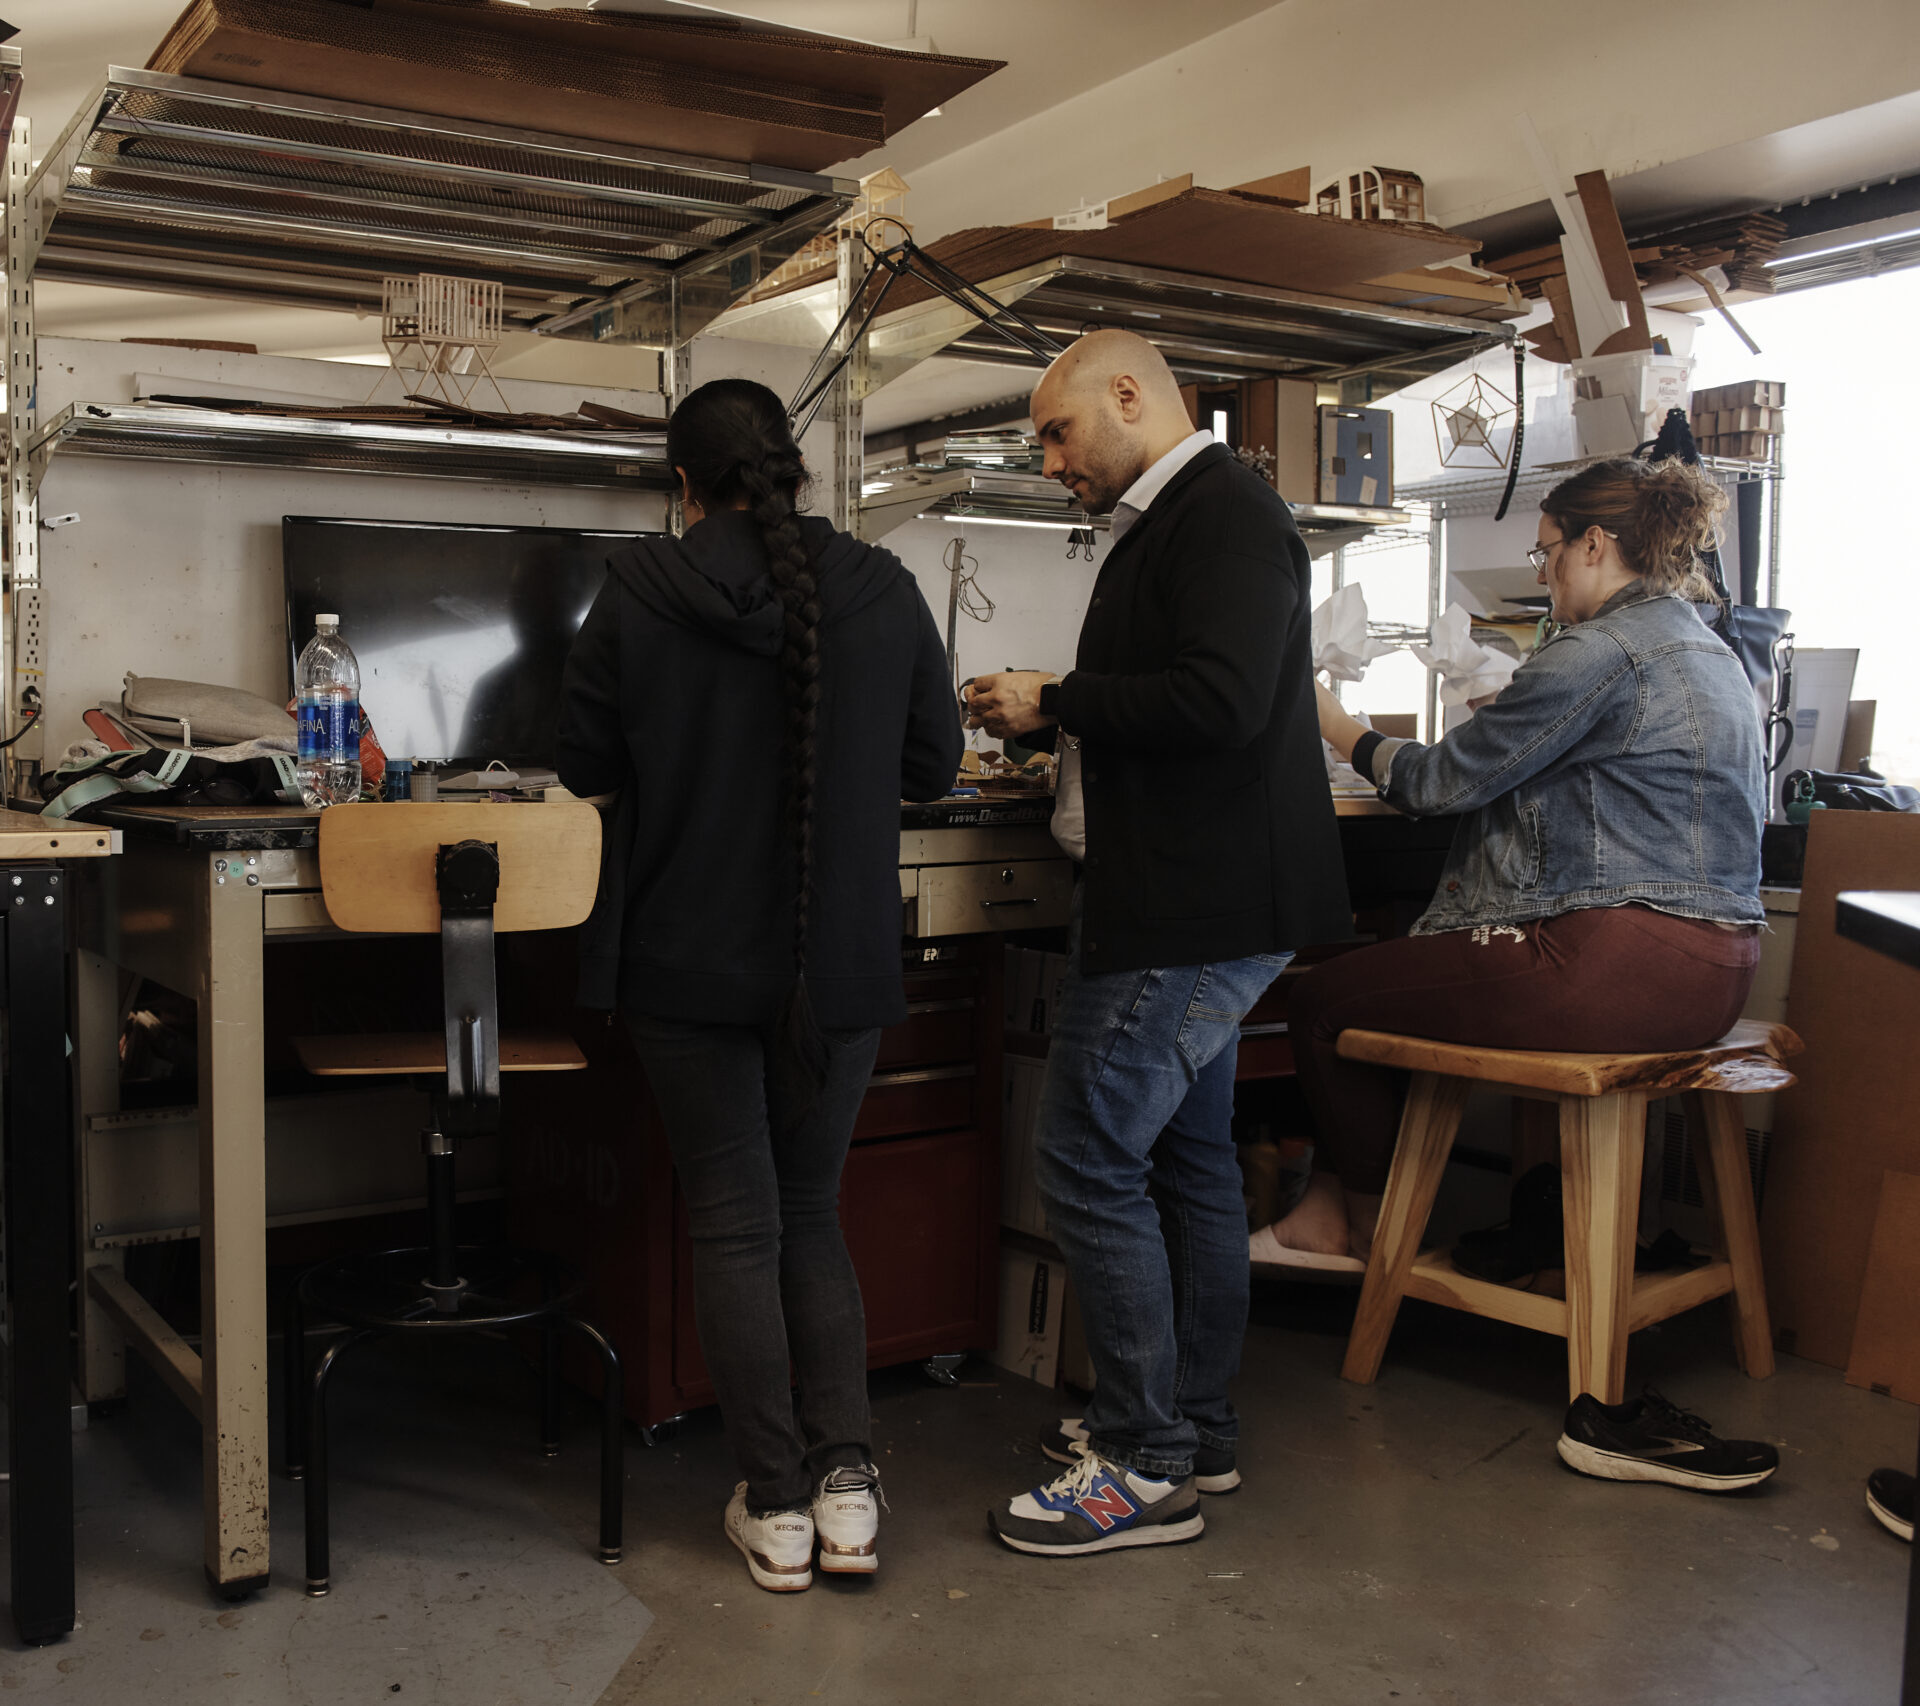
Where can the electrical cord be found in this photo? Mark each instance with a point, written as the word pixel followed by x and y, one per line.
pixel 32 718
pixel 968 594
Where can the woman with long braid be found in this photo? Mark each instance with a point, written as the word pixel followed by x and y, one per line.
pixel 759 695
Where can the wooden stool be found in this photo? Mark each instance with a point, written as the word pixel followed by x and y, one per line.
pixel 1603 1119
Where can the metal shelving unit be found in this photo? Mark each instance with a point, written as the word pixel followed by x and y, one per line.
pixel 172 433
pixel 215 189
pixel 1209 329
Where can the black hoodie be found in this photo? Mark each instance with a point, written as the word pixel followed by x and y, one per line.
pixel 673 696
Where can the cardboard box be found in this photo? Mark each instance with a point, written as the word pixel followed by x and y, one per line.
pixel 1356 456
pixel 1020 1204
pixel 1848 1121
pixel 1032 1293
pixel 1886 1337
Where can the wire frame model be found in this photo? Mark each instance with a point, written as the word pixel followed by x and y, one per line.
pixel 1473 425
pixel 442 328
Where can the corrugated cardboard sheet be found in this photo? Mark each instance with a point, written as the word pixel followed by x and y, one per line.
pixel 1854 1115
pixel 1886 1337
pixel 609 77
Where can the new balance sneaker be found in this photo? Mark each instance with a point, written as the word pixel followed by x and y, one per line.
pixel 1097 1506
pixel 778 1548
pixel 1650 1438
pixel 1890 1498
pixel 846 1521
pixel 1213 1469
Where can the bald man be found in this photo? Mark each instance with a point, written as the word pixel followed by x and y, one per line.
pixel 1193 795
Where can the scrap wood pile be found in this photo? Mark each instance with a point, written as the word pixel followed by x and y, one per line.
pixel 1740 245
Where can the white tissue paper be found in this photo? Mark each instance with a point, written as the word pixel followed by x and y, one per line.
pixel 1468 670
pixel 1341 645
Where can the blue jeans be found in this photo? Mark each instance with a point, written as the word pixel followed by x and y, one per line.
pixel 1135 1160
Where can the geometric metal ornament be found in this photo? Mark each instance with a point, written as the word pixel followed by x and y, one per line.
pixel 1473 425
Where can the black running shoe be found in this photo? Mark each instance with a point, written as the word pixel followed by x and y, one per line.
pixel 1651 1439
pixel 1213 1470
pixel 1890 1498
pixel 1529 1241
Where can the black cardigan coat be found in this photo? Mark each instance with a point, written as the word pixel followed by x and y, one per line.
pixel 673 696
pixel 1210 827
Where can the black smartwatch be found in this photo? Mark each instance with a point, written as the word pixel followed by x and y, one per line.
pixel 1050 700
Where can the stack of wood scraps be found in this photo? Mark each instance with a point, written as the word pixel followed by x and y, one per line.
pixel 1743 421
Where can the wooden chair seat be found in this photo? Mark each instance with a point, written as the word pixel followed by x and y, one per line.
pixel 1602 1101
pixel 1745 1062
pixel 401 1053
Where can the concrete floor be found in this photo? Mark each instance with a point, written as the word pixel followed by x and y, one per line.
pixel 1417 1541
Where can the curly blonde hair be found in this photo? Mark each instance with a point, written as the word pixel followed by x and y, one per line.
pixel 1663 514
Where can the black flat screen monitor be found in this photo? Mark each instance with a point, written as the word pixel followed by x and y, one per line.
pixel 461 633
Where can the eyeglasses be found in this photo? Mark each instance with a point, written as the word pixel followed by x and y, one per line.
pixel 1538 555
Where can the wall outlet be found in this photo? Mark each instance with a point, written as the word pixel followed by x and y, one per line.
pixel 29 635
pixel 29 669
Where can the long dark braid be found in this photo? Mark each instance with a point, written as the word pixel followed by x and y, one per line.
pixel 733 440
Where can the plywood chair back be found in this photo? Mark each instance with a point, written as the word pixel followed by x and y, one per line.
pixel 377 863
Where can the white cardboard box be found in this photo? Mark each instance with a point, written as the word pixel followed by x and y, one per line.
pixel 1032 1290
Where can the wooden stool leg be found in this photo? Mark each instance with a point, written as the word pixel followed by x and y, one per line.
pixel 1427 1127
pixel 1602 1144
pixel 1721 1156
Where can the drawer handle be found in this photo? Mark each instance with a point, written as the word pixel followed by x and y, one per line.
pixel 1030 900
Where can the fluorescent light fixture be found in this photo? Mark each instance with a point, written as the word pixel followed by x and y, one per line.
pixel 1009 521
pixel 873 486
pixel 1856 244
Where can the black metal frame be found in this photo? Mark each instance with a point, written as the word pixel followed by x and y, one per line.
pixel 444 1286
pixel 901 260
pixel 38 1172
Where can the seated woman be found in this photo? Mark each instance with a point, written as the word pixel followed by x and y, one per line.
pixel 1602 891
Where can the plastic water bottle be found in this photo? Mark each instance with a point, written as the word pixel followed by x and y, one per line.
pixel 327 685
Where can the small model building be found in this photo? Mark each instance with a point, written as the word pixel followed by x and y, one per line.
pixel 443 328
pixel 1375 192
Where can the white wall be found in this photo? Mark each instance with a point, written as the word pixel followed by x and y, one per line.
pixel 1627 87
pixel 173 569
pixel 1039 595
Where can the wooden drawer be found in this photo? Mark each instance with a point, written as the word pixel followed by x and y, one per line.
pixel 963 900
pixel 935 1033
pixel 928 1098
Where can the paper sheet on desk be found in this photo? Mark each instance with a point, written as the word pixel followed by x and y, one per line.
pixel 1468 670
pixel 1341 644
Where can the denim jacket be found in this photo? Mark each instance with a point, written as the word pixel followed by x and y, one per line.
pixel 1621 765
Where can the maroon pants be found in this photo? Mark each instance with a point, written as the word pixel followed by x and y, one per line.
pixel 1620 979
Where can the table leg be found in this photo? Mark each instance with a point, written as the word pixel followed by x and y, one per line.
pixel 102 1363
pixel 233 1240
pixel 39 1216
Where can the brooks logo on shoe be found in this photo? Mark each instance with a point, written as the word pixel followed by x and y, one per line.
pixel 1670 1448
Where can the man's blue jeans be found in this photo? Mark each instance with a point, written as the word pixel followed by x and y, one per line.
pixel 1135 1160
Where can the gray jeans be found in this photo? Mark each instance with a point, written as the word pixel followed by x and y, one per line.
pixel 774 1289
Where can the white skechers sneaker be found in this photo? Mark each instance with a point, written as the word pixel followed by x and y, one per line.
pixel 846 1520
pixel 778 1548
